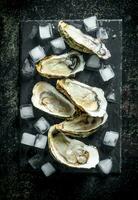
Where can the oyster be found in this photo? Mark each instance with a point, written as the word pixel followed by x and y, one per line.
pixel 88 99
pixel 81 126
pixel 46 98
pixel 58 66
pixel 82 42
pixel 71 152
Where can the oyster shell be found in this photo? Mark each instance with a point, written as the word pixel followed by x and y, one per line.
pixel 88 99
pixel 82 42
pixel 81 126
pixel 59 66
pixel 46 98
pixel 71 152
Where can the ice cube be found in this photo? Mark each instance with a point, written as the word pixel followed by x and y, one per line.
pixel 111 138
pixel 58 45
pixel 28 139
pixel 90 23
pixel 33 32
pixel 40 141
pixel 26 111
pixel 37 53
pixel 35 161
pixel 48 169
pixel 42 125
pixel 102 34
pixel 114 36
pixel 45 31
pixel 105 165
pixel 27 69
pixel 111 97
pixel 93 62
pixel 106 72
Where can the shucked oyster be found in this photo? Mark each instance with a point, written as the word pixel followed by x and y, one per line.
pixel 82 42
pixel 48 99
pixel 71 152
pixel 88 99
pixel 81 126
pixel 58 66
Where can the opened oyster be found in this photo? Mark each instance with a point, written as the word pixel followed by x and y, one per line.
pixel 88 99
pixel 82 42
pixel 81 126
pixel 71 152
pixel 58 66
pixel 48 99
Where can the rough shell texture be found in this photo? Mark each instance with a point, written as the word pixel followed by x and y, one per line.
pixel 46 98
pixel 82 42
pixel 81 126
pixel 88 99
pixel 71 152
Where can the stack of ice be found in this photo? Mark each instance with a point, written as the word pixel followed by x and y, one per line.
pixel 45 31
pixel 105 165
pixel 111 138
pixel 58 45
pixel 106 72
pixel 102 34
pixel 27 69
pixel 37 53
pixel 90 23
pixel 42 125
pixel 38 141
pixel 48 169
pixel 93 62
pixel 26 111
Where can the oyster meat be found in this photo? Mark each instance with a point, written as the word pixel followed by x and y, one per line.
pixel 58 66
pixel 46 98
pixel 87 98
pixel 76 39
pixel 81 126
pixel 71 152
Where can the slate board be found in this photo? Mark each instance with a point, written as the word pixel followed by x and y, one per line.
pixel 92 78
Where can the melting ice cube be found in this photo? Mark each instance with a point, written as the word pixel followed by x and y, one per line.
pixel 58 45
pixel 33 32
pixel 35 161
pixel 111 138
pixel 37 53
pixel 102 34
pixel 26 111
pixel 27 69
pixel 111 97
pixel 28 139
pixel 48 169
pixel 40 141
pixel 105 165
pixel 90 23
pixel 106 72
pixel 93 62
pixel 42 125
pixel 114 36
pixel 45 31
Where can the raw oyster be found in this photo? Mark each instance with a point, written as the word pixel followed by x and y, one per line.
pixel 46 98
pixel 59 66
pixel 81 126
pixel 86 98
pixel 71 152
pixel 82 42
